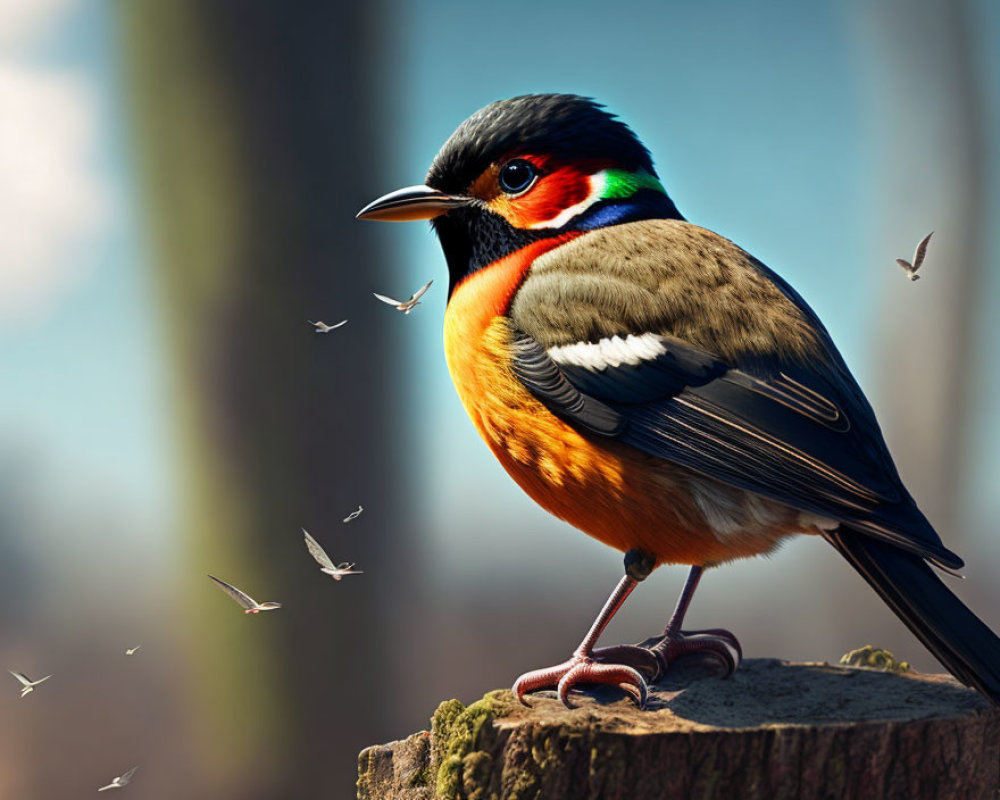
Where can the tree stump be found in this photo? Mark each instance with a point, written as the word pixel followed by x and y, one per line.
pixel 773 730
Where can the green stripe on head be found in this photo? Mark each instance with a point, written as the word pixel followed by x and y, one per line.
pixel 620 184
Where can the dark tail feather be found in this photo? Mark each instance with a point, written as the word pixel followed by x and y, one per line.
pixel 959 639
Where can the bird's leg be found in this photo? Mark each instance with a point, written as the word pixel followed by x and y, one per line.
pixel 674 643
pixel 581 667
pixel 654 655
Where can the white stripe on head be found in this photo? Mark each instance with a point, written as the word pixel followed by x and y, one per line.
pixel 598 183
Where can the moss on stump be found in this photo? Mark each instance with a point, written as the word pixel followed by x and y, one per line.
pixel 772 730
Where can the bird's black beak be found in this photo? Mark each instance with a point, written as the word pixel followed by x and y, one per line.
pixel 413 202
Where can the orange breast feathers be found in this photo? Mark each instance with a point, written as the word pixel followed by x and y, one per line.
pixel 616 494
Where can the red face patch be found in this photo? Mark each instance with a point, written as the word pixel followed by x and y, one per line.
pixel 559 186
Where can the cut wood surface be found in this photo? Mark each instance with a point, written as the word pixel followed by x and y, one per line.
pixel 773 730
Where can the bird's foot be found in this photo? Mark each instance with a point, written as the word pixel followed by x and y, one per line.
pixel 654 656
pixel 582 669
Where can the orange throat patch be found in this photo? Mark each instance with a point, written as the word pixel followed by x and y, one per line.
pixel 611 492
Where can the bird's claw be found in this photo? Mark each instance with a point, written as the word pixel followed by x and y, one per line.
pixel 654 656
pixel 629 666
pixel 582 669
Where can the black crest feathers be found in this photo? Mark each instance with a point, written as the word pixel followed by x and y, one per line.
pixel 565 125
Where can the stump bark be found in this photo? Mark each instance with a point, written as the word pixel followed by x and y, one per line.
pixel 773 730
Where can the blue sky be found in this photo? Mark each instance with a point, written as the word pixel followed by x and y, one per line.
pixel 84 400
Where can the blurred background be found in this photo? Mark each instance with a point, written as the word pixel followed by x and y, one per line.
pixel 178 183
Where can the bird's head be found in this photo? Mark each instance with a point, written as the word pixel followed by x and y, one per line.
pixel 525 169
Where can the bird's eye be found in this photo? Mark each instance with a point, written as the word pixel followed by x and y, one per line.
pixel 517 175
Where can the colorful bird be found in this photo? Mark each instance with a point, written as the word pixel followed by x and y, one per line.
pixel 249 605
pixel 120 781
pixel 658 387
pixel 406 306
pixel 322 327
pixel 335 571
pixel 27 685
pixel 918 258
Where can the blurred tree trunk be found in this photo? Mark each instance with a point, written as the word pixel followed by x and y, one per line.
pixel 922 81
pixel 256 134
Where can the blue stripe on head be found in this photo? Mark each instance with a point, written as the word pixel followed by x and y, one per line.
pixel 645 204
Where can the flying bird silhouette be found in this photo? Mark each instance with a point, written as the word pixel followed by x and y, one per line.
pixel 132 650
pixel 120 781
pixel 28 685
pixel 322 327
pixel 250 605
pixel 406 306
pixel 354 514
pixel 335 571
pixel 918 259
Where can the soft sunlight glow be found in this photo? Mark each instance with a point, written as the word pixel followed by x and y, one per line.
pixel 53 198
pixel 23 22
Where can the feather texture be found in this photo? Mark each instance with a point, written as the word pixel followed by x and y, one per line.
pixel 956 636
pixel 737 394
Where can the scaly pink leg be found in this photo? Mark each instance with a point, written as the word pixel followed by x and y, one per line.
pixel 582 667
pixel 654 655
